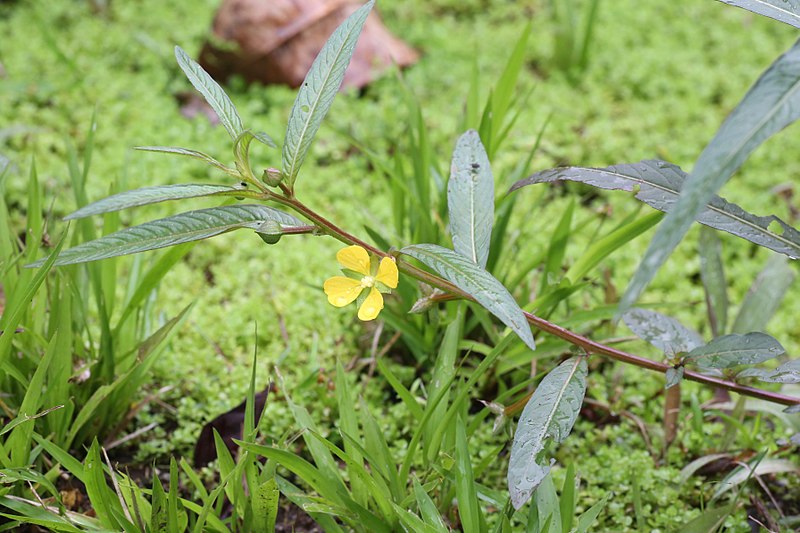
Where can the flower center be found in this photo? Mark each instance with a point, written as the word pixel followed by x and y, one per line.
pixel 367 282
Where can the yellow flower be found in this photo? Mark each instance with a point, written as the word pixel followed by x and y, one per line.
pixel 361 274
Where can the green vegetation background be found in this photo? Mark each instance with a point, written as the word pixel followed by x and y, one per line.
pixel 662 77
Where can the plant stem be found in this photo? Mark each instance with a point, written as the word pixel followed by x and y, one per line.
pixel 590 346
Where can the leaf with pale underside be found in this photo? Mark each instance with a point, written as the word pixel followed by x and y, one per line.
pixel 663 332
pixel 177 229
pixel 733 350
pixel 151 195
pixel 786 11
pixel 470 199
pixel 212 92
pixel 788 372
pixel 769 106
pixel 189 153
pixel 659 184
pixel 549 415
pixel 477 282
pixel 316 94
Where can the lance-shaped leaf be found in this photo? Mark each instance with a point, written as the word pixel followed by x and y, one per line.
pixel 189 153
pixel 663 332
pixel 769 106
pixel 733 350
pixel 787 11
pixel 212 92
pixel 477 282
pixel 185 227
pixel 765 296
pixel 788 372
pixel 318 91
pixel 659 184
pixel 550 414
pixel 150 195
pixel 712 272
pixel 470 199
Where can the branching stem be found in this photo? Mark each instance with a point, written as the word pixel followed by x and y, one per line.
pixel 590 346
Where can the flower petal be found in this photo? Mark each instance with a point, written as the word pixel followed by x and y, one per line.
pixel 372 305
pixel 355 258
pixel 387 272
pixel 341 290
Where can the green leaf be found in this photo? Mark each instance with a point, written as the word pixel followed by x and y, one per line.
pixel 466 495
pixel 549 414
pixel 586 520
pixel 150 195
pixel 787 11
pixel 765 296
pixel 663 332
pixel 189 153
pixel 771 104
pixel 265 506
pixel 712 273
pixel 709 521
pixel 673 376
pixel 470 199
pixel 660 185
pixel 732 350
pixel 318 90
pixel 476 282
pixel 212 92
pixel 177 229
pixel 788 372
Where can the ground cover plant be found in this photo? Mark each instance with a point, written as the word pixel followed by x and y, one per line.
pixel 347 478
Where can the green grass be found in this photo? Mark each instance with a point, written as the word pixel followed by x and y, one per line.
pixel 658 85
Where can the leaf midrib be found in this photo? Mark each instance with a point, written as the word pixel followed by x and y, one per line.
pixel 677 194
pixel 313 108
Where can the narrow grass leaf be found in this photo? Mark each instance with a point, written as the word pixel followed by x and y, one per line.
pixel 212 92
pixel 159 515
pixel 769 106
pixel 177 229
pixel 265 506
pixel 588 518
pixel 470 199
pixel 660 185
pixel 567 501
pixel 765 296
pixel 176 150
pixel 468 509
pixel 318 90
pixel 606 245
pixel 786 11
pixel 150 195
pixel 663 332
pixel 709 521
pixel 549 414
pixel 733 350
pixel 13 314
pixel 476 282
pixel 427 508
pixel 712 273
